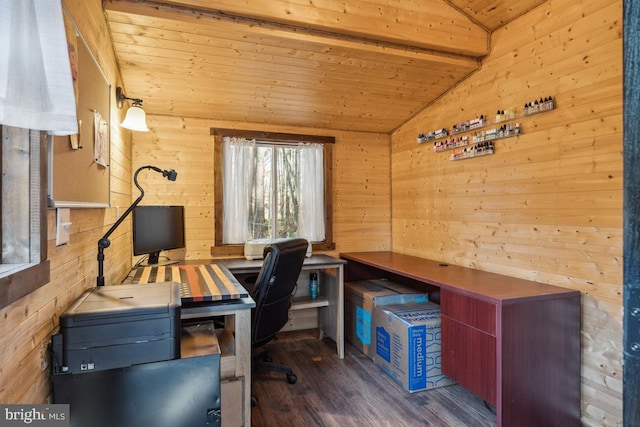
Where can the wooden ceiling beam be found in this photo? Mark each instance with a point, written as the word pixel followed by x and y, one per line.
pixel 426 24
pixel 182 56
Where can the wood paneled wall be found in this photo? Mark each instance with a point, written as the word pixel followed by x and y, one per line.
pixel 27 324
pixel 361 184
pixel 547 206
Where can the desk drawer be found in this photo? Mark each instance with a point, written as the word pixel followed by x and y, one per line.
pixel 468 310
pixel 469 358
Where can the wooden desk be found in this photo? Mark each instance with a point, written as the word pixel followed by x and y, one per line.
pixel 201 282
pixel 212 291
pixel 513 342
pixel 330 301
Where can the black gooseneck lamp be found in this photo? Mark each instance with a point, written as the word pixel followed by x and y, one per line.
pixel 104 242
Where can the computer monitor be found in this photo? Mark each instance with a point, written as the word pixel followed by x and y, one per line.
pixel 157 229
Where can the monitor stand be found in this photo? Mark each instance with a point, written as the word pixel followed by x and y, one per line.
pixel 154 257
pixel 154 260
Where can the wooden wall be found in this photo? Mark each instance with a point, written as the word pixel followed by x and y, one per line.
pixel 547 206
pixel 361 184
pixel 28 323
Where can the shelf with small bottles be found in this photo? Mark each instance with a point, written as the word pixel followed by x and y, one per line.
pixel 537 107
pixel 450 143
pixel 480 149
pixel 444 141
pixel 507 130
pixel 433 135
pixel 471 125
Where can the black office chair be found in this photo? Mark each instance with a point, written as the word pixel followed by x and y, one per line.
pixel 272 293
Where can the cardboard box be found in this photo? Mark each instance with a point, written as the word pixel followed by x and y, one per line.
pixel 199 339
pixel 407 329
pixel 358 310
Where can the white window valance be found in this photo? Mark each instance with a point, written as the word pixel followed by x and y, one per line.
pixel 36 88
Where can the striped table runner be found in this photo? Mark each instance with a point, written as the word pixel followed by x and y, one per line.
pixel 206 282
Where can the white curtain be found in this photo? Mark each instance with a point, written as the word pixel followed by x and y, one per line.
pixel 311 213
pixel 36 89
pixel 238 159
pixel 238 181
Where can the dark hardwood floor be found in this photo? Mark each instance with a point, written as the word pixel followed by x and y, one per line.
pixel 351 392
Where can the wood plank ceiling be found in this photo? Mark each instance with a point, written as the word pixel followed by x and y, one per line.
pixel 362 65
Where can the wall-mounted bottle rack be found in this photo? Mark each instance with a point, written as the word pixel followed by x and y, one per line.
pixel 433 135
pixel 478 132
pixel 479 149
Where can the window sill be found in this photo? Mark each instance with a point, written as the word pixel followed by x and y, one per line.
pixel 8 269
pixel 17 280
pixel 238 250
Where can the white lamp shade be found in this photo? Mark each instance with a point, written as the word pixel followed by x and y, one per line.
pixel 136 119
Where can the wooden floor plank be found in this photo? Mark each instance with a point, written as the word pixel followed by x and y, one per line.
pixel 352 392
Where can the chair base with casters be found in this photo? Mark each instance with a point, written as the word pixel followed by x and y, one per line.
pixel 262 363
pixel 272 292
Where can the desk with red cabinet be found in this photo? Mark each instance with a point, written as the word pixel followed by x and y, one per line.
pixel 513 342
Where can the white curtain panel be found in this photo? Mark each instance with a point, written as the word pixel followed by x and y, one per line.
pixel 311 213
pixel 238 157
pixel 36 89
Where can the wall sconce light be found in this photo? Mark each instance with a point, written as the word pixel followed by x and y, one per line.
pixel 136 119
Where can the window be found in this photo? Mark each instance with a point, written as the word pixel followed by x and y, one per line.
pixel 23 263
pixel 36 92
pixel 272 186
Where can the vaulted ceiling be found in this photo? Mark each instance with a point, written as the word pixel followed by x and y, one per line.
pixel 363 65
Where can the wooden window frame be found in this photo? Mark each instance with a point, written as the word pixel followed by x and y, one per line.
pixel 221 249
pixel 21 278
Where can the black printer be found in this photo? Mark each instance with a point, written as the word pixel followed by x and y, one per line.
pixel 116 362
pixel 117 326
